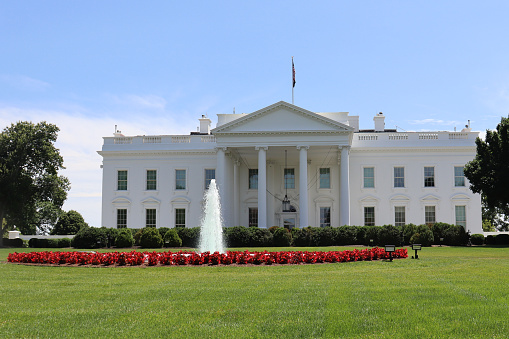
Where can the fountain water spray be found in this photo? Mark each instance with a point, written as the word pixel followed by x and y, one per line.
pixel 211 228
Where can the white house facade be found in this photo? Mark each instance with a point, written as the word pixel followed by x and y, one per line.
pixel 286 166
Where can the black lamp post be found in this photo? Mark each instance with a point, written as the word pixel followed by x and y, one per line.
pixel 389 249
pixel 416 247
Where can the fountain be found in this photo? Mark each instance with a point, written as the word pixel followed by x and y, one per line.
pixel 211 228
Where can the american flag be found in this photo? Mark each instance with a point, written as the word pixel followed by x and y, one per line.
pixel 293 72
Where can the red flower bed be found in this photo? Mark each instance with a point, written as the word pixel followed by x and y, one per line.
pixel 192 258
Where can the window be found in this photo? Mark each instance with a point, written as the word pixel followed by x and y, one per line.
pixel 121 218
pixel 399 176
pixel 459 176
pixel 429 215
pixel 209 175
pixel 253 178
pixel 429 176
pixel 324 216
pixel 122 180
pixel 150 217
pixel 253 216
pixel 369 177
pixel 324 177
pixel 399 216
pixel 461 216
pixel 151 180
pixel 180 217
pixel 289 178
pixel 180 179
pixel 369 216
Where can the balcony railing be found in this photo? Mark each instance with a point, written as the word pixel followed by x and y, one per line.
pixel 160 139
pixel 423 138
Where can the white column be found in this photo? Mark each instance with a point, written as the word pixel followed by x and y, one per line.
pixel 236 193
pixel 220 176
pixel 303 185
pixel 262 186
pixel 344 198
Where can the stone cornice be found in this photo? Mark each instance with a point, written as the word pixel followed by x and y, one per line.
pixel 249 133
pixel 154 153
pixel 414 149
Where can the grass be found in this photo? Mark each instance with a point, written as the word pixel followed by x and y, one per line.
pixel 449 292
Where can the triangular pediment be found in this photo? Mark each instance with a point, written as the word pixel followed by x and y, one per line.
pixel 282 117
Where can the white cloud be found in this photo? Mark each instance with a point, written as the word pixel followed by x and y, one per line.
pixel 141 101
pixel 24 82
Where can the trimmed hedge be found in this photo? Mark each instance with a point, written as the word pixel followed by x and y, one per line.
pixel 172 239
pixel 18 242
pixel 477 239
pixel 49 243
pixel 150 238
pixel 90 237
pixel 124 238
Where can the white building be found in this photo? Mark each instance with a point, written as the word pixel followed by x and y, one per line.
pixel 331 172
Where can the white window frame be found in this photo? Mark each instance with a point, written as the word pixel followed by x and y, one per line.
pixel 205 186
pixel 146 180
pixel 126 216
pixel 394 177
pixel 185 180
pixel 364 215
pixel 435 214
pixel 117 180
pixel 364 177
pixel 404 214
pixel 434 176
pixel 320 179
pixel 456 215
pixel 249 179
pixel 463 176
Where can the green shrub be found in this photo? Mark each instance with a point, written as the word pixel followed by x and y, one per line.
pixel 477 239
pixel 89 237
pixel 150 238
pixel 53 243
pixel 300 237
pixel 282 237
pixel 389 235
pixel 408 231
pixel 346 235
pixel 273 229
pixel 502 239
pixel 64 242
pixel 137 236
pixel 260 237
pixel 124 238
pixel 323 236
pixel 111 235
pixel 190 236
pixel 423 235
pixel 237 236
pixel 439 230
pixel 172 239
pixel 371 233
pixel 456 236
pixel 490 240
pixel 18 242
pixel 163 230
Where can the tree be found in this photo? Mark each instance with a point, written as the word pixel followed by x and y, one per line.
pixel 69 223
pixel 487 173
pixel 29 165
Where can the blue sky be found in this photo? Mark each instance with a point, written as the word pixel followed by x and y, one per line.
pixel 155 67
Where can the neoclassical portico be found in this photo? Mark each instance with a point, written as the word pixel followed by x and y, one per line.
pixel 259 141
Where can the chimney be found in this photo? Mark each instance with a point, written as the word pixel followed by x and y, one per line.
pixel 205 125
pixel 379 120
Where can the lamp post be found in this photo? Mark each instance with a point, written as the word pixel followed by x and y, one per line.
pixel 389 249
pixel 416 247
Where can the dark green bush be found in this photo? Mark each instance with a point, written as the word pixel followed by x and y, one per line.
pixel 124 238
pixel 346 235
pixel 190 236
pixel 408 231
pixel 137 236
pixel 423 235
pixel 371 233
pixel 150 238
pixel 439 230
pixel 301 237
pixel 456 236
pixel 53 243
pixel 111 235
pixel 502 239
pixel 282 237
pixel 260 237
pixel 64 242
pixel 237 236
pixel 477 239
pixel 89 237
pixel 172 239
pixel 323 236
pixel 490 240
pixel 389 235
pixel 163 230
pixel 18 242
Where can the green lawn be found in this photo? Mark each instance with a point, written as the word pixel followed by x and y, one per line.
pixel 448 292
